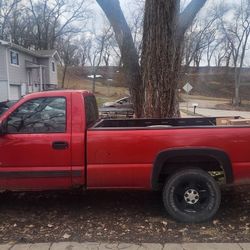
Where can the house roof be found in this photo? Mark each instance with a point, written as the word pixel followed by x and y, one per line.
pixel 48 53
pixel 36 53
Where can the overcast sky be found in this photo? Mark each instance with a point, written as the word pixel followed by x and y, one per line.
pixel 128 6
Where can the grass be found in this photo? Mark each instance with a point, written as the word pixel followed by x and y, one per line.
pixel 185 96
pixel 103 93
pixel 245 106
pixel 185 112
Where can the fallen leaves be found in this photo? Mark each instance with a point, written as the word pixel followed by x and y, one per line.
pixel 115 216
pixel 66 236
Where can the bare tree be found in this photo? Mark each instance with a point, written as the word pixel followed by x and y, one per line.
pixel 200 39
pixel 136 23
pixel 84 49
pixel 222 52
pixel 107 50
pixel 237 33
pixel 53 19
pixel 194 45
pixel 128 51
pixel 163 36
pixel 68 53
pixel 212 46
pixel 7 8
pixel 99 51
pixel 115 51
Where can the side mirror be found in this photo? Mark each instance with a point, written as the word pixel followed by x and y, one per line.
pixel 3 129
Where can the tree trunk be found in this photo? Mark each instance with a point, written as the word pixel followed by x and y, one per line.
pixel 228 59
pixel 161 55
pixel 164 30
pixel 64 75
pixel 237 96
pixel 238 71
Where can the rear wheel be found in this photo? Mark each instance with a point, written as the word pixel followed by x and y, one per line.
pixel 191 195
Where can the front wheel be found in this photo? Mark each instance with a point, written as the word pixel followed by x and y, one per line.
pixel 192 196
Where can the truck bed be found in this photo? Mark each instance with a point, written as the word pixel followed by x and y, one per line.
pixel 159 123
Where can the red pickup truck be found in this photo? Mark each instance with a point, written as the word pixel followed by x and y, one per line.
pixel 55 140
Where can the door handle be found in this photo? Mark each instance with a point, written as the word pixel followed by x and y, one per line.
pixel 60 145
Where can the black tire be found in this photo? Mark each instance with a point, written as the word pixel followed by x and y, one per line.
pixel 192 196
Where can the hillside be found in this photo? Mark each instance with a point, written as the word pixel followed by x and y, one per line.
pixel 217 82
pixel 106 90
pixel 208 82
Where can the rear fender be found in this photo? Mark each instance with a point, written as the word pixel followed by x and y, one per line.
pixel 164 156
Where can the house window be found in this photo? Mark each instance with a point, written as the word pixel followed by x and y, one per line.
pixel 53 67
pixel 14 58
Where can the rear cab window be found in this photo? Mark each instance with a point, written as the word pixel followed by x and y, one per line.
pixel 91 110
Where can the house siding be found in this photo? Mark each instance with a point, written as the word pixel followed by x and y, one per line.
pixel 4 91
pixel 18 73
pixel 53 75
pixel 3 66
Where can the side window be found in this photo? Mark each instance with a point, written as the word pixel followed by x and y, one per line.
pixel 42 115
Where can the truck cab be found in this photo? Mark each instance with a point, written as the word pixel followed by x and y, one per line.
pixel 42 145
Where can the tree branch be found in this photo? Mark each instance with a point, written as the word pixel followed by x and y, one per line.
pixel 188 15
pixel 113 12
pixel 122 31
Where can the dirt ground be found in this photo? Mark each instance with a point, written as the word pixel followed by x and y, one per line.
pixel 116 216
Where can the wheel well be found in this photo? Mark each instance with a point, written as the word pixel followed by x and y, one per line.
pixel 215 162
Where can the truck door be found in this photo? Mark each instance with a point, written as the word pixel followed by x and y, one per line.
pixel 36 151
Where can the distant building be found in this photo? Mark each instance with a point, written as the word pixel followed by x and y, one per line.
pixel 24 71
pixel 96 76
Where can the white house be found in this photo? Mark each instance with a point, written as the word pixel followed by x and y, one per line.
pixel 24 71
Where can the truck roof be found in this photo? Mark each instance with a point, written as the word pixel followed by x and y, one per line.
pixel 58 91
pixel 47 93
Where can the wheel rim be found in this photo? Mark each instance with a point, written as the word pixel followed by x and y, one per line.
pixel 192 195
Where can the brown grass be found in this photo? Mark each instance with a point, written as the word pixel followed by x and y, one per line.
pixel 103 93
